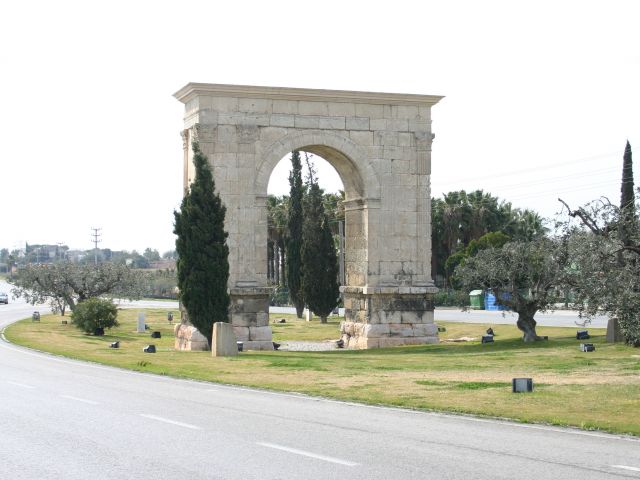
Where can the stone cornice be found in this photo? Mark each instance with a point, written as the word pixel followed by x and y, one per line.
pixel 192 90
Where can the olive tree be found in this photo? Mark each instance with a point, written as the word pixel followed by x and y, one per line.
pixel 524 276
pixel 68 283
pixel 605 273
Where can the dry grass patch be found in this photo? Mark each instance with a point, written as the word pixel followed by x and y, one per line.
pixel 600 389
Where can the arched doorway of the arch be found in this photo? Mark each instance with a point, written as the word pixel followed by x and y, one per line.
pixel 380 145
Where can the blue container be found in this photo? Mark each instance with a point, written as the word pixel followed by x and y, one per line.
pixel 490 302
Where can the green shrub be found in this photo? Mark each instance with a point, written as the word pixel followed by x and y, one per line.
pixel 451 298
pixel 95 313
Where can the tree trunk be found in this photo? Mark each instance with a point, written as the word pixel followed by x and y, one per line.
pixel 527 325
pixel 283 255
pixel 299 309
pixel 276 263
pixel 270 261
pixel 323 319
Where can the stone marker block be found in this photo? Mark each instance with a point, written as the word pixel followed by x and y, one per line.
pixel 614 334
pixel 223 342
pixel 141 325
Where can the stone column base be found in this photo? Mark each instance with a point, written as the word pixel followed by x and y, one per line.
pixel 382 317
pixel 249 312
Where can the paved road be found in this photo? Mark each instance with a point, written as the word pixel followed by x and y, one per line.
pixel 558 318
pixel 65 419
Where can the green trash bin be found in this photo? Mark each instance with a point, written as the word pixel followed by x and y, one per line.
pixel 476 300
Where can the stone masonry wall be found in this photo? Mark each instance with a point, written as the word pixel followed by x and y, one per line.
pixel 379 143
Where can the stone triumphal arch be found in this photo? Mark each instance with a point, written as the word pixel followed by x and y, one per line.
pixel 380 145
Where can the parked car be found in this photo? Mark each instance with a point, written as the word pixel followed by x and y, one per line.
pixel 4 298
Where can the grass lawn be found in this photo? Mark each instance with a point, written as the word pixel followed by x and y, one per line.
pixel 597 390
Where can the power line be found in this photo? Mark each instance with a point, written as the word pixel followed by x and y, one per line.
pixel 537 168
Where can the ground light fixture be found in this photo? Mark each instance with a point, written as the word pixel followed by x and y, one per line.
pixel 149 349
pixel 155 335
pixel 114 345
pixel 521 385
pixel 587 347
pixel 582 335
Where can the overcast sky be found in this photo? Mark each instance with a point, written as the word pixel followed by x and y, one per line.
pixel 540 97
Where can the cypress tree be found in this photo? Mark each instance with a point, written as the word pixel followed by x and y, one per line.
pixel 294 241
pixel 627 219
pixel 319 261
pixel 627 197
pixel 203 255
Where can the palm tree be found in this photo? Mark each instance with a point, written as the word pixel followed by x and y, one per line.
pixel 276 235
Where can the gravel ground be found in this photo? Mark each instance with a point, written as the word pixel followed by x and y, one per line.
pixel 309 346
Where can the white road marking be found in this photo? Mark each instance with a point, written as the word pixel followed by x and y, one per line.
pixel 625 467
pixel 302 396
pixel 82 400
pixel 23 385
pixel 172 422
pixel 309 454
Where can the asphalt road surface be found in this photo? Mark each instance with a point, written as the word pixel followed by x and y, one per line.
pixel 63 419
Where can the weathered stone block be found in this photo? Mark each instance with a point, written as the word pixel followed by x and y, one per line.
pixel 367 110
pixel 391 342
pixel 223 341
pixel 361 137
pixel 425 329
pixel 280 120
pixel 341 109
pixel 272 134
pixel 307 122
pixel 258 334
pixel 348 328
pixel 377 124
pixel 332 123
pixel 401 329
pixel 285 106
pixel 397 125
pixel 410 317
pixel 262 319
pixel 375 331
pixel 357 123
pixel 313 108
pixel 188 338
pixel 254 105
pixel 242 333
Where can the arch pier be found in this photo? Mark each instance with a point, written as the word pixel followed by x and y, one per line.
pixel 380 145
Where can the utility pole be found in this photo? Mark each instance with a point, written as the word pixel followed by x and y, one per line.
pixel 95 238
